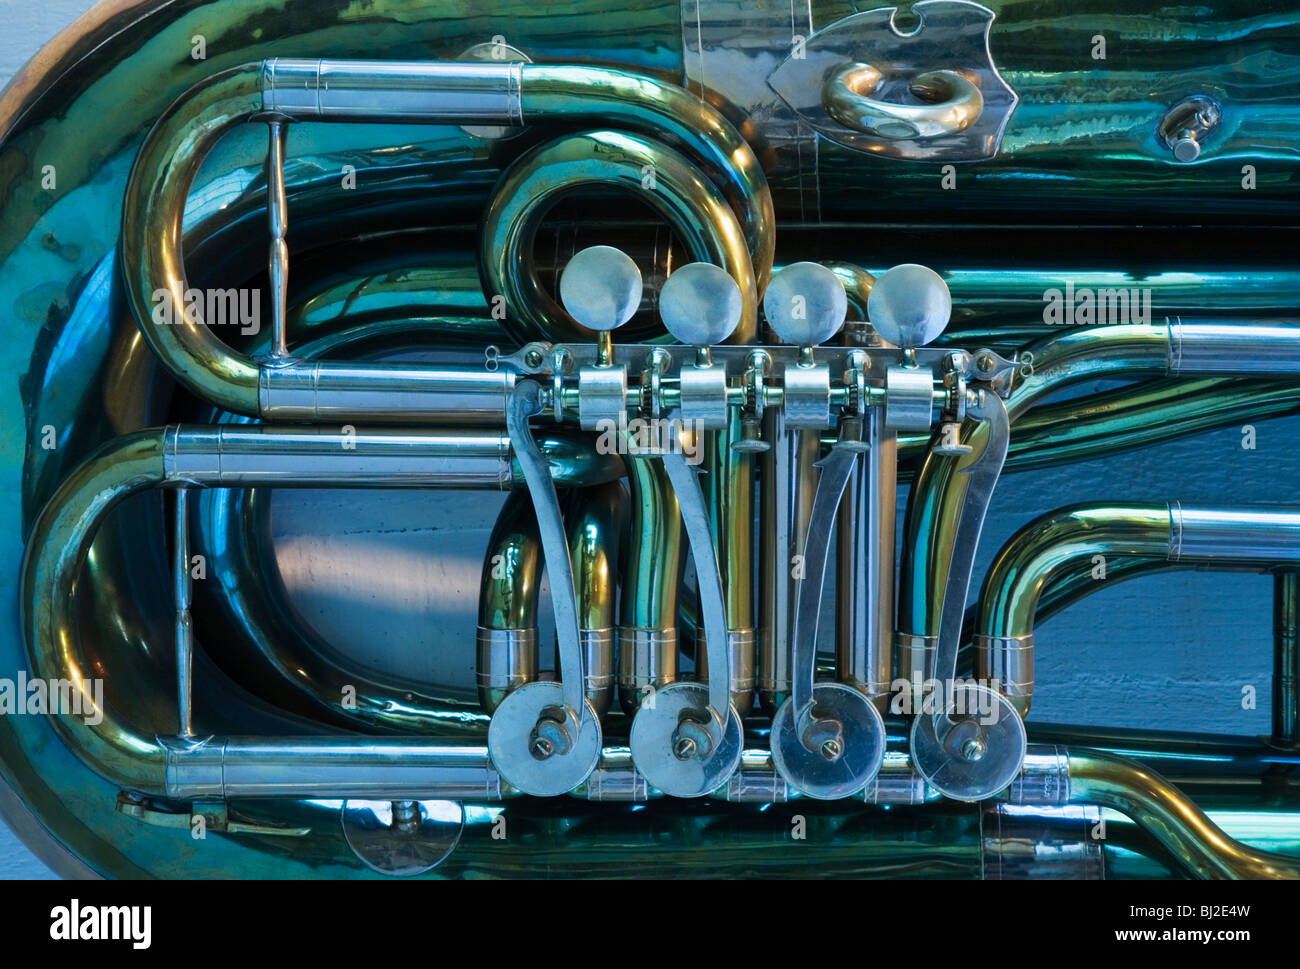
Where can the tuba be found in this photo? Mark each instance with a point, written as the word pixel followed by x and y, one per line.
pixel 462 440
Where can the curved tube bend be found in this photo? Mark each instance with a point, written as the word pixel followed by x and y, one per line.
pixel 154 205
pixel 1056 547
pixel 679 192
pixel 1170 817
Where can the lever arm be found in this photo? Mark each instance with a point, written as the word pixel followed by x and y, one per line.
pixel 545 738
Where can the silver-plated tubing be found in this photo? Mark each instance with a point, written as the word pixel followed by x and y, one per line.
pixel 1224 348
pixel 221 768
pixel 647 660
pixel 1245 536
pixel 506 653
pixel 184 622
pixel 384 393
pixel 916 655
pixel 277 213
pixel 413 91
pixel 897 782
pixel 598 666
pixel 1044 777
pixel 256 455
pixel 864 627
pixel 616 779
pixel 504 660
pixel 789 482
pixel 1008 661
pixel 756 781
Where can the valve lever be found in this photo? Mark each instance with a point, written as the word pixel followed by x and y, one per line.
pixel 973 746
pixel 545 738
pixel 828 740
pixel 687 740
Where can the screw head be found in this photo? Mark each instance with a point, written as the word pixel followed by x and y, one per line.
pixel 1187 149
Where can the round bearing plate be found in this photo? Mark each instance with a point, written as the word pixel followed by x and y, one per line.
pixel 510 742
pixel 863 733
pixel 410 849
pixel 652 743
pixel 1004 746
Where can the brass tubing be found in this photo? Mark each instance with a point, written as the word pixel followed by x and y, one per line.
pixel 55 555
pixel 169 158
pixel 663 178
pixel 151 251
pixel 526 94
pixel 506 640
pixel 937 492
pixel 1133 416
pixel 61 539
pixel 1055 546
pixel 1286 659
pixel 652 561
pixel 934 505
pixel 1170 817
pixel 595 518
pixel 728 484
pixel 561 92
pixel 1072 538
pixel 1086 353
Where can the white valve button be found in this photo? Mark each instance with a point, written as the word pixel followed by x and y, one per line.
pixel 601 288
pixel 805 304
pixel 700 304
pixel 909 305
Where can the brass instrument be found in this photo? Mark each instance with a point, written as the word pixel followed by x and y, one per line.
pixel 661 317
